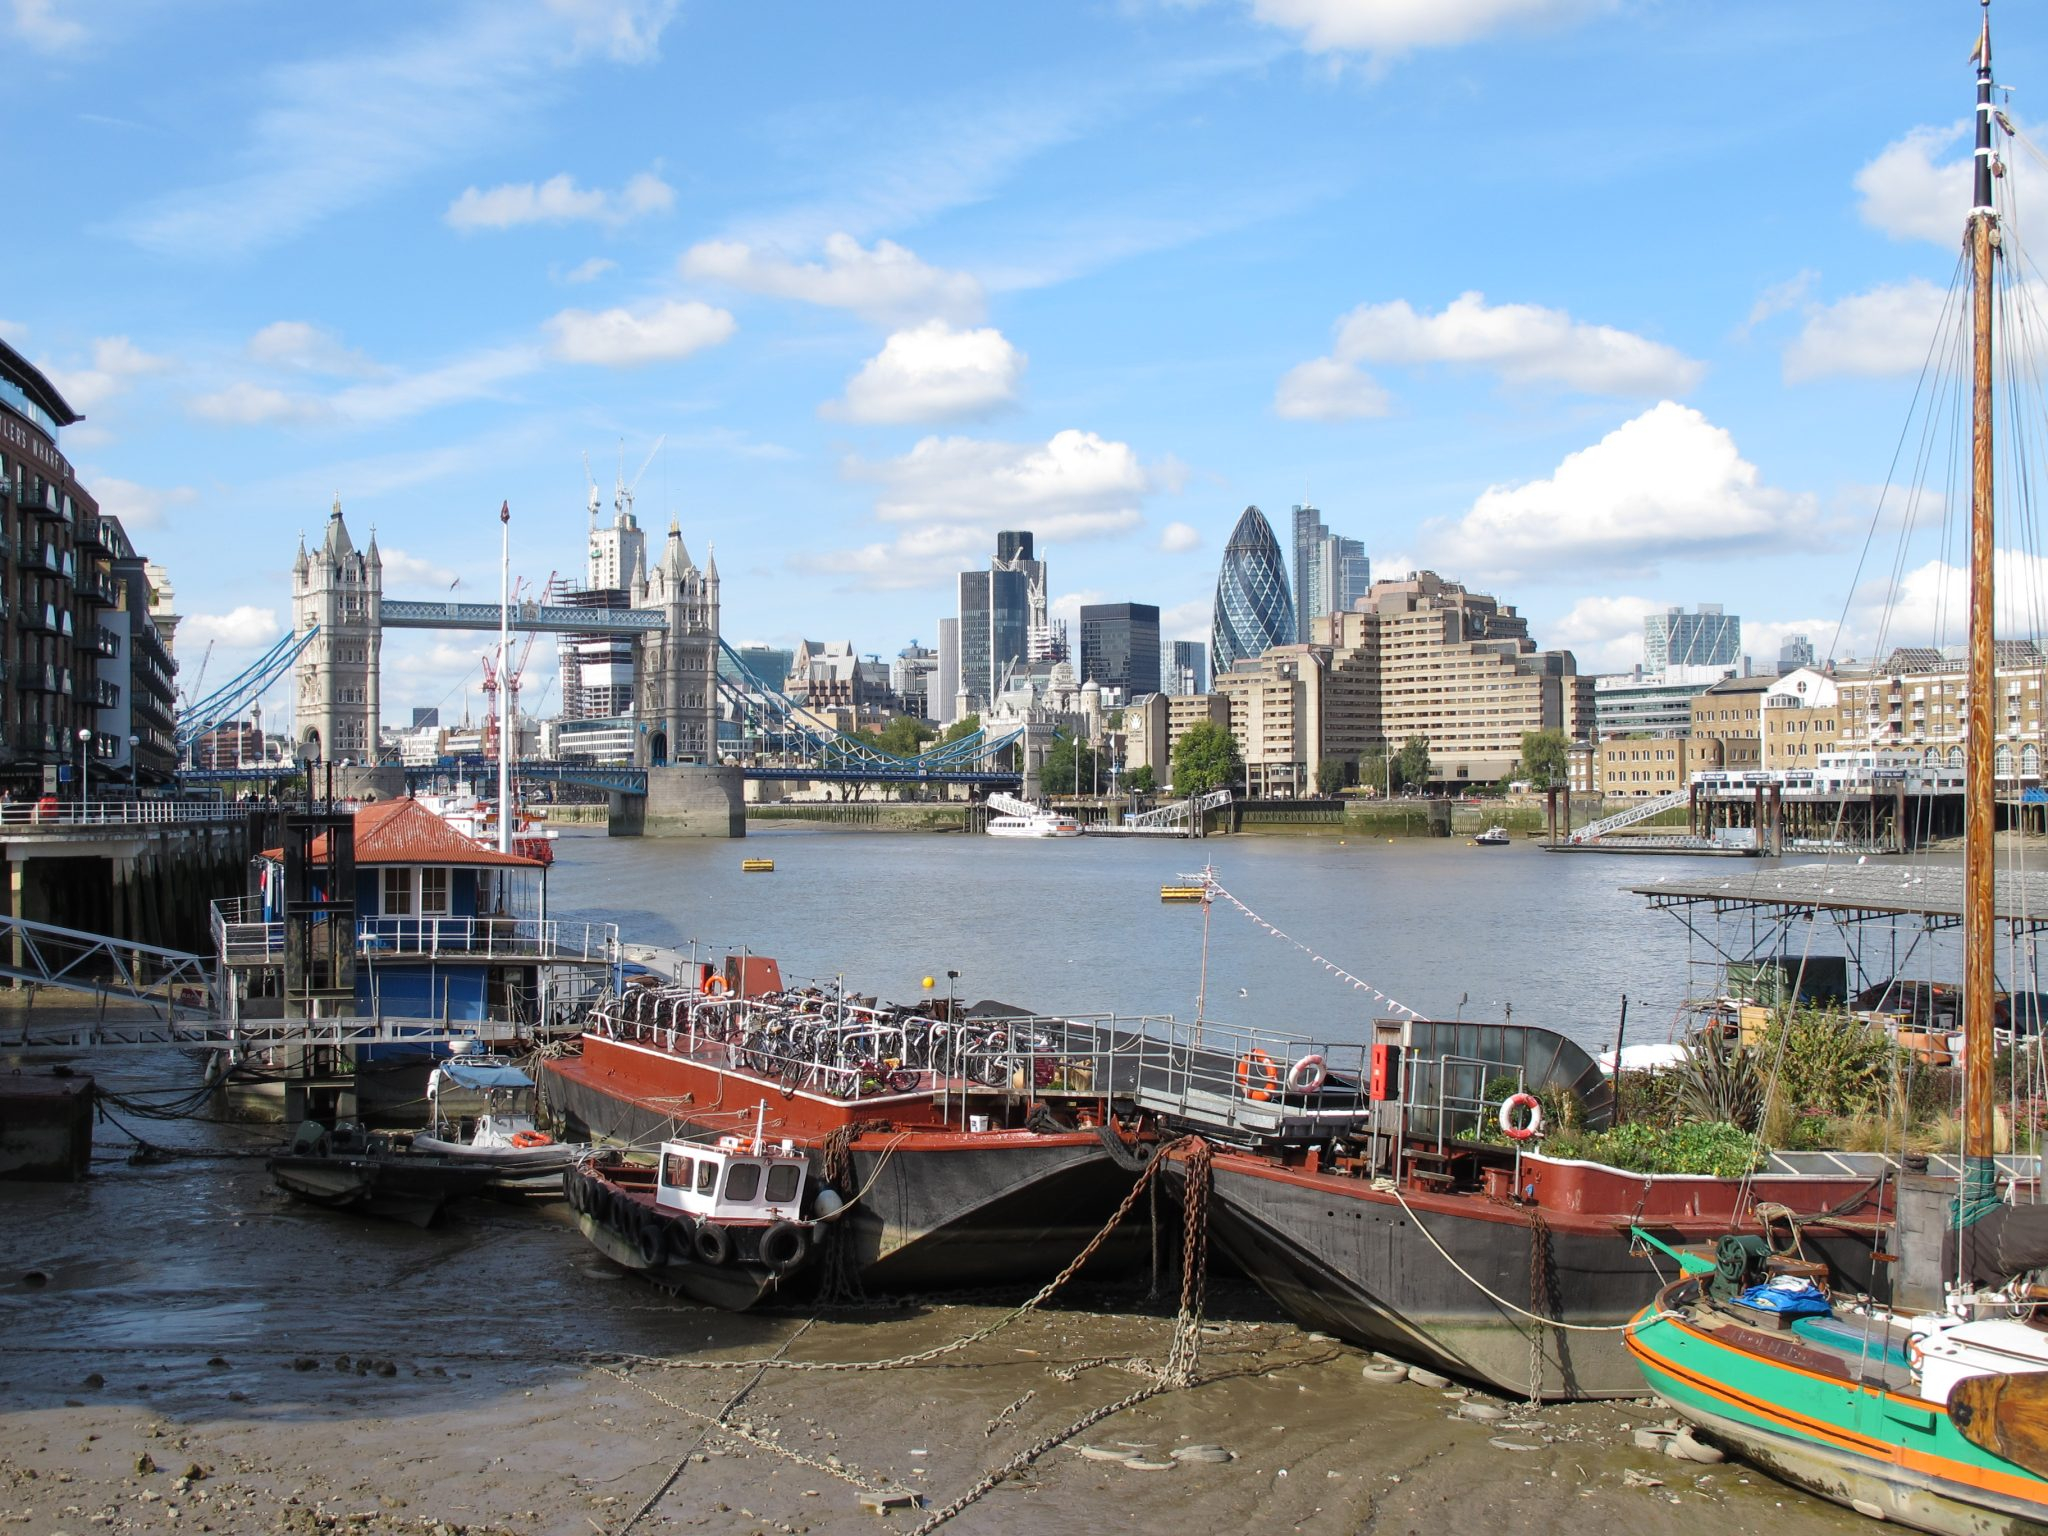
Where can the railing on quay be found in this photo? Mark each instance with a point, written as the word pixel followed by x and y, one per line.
pixel 52 814
pixel 243 936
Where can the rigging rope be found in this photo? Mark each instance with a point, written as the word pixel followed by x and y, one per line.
pixel 1215 888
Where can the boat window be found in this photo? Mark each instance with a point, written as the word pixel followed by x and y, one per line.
pixel 434 892
pixel 707 1177
pixel 675 1171
pixel 743 1181
pixel 398 893
pixel 783 1179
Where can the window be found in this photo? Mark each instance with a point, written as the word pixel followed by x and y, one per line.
pixel 707 1177
pixel 433 893
pixel 783 1180
pixel 398 893
pixel 676 1170
pixel 743 1181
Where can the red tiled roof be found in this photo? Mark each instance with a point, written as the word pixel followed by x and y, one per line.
pixel 406 832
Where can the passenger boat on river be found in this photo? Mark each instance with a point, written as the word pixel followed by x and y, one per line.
pixel 985 1147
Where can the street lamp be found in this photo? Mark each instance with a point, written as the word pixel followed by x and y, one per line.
pixel 951 977
pixel 84 782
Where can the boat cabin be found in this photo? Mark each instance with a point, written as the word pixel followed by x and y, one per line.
pixel 482 1100
pixel 735 1179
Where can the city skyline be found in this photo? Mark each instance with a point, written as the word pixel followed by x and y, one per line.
pixel 1111 273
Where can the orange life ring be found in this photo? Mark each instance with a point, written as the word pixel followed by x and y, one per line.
pixel 531 1139
pixel 714 986
pixel 1258 1064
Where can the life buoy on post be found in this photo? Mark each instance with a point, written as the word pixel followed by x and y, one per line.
pixel 1257 1077
pixel 1521 1130
pixel 1307 1075
pixel 714 986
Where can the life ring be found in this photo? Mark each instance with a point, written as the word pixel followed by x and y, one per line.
pixel 1533 1126
pixel 651 1238
pixel 1257 1064
pixel 532 1139
pixel 714 986
pixel 713 1244
pixel 1307 1075
pixel 783 1247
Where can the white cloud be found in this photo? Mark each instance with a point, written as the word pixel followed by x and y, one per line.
pixel 933 373
pixel 590 271
pixel 246 627
pixel 558 200
pixel 249 405
pixel 116 363
pixel 626 338
pixel 1325 389
pixel 306 348
pixel 887 284
pixel 1667 485
pixel 403 570
pixel 1910 197
pixel 957 490
pixel 42 25
pixel 1522 343
pixel 1932 605
pixel 137 506
pixel 1778 298
pixel 1888 331
pixel 335 129
pixel 1179 538
pixel 1389 28
pixel 1191 620
pixel 1605 634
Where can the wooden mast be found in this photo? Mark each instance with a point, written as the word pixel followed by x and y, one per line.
pixel 1979 745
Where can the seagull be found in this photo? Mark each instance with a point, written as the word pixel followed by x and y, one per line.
pixel 1241 992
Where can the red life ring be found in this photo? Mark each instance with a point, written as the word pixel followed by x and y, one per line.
pixel 531 1139
pixel 1307 1075
pixel 714 986
pixel 1522 1131
pixel 1257 1064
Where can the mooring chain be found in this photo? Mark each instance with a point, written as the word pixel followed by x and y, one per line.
pixel 1539 1297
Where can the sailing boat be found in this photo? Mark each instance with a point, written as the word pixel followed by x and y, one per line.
pixel 1937 1420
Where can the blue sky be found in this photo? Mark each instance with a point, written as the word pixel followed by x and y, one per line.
pixel 1598 304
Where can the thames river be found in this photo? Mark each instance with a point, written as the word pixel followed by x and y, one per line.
pixel 1071 926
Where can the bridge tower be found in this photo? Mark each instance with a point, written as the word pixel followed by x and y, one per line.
pixel 342 591
pixel 678 666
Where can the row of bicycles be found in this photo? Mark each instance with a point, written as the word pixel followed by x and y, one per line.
pixel 808 1040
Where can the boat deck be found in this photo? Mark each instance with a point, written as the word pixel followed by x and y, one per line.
pixel 1851 1346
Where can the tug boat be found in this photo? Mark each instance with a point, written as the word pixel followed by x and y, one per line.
pixel 721 1223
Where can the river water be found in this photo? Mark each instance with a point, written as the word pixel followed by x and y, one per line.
pixel 1070 926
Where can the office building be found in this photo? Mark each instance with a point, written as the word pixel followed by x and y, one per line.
pixel 1794 653
pixel 1001 610
pixel 1184 667
pixel 1120 647
pixel 1254 610
pixel 759 668
pixel 1155 723
pixel 1331 572
pixel 1675 639
pixel 910 679
pixel 1276 714
pixel 945 682
pixel 1627 705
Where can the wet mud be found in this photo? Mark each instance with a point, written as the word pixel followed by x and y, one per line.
pixel 184 1349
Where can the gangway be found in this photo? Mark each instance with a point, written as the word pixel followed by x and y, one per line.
pixel 109 968
pixel 1593 831
pixel 1012 805
pixel 1178 813
pixel 242 1037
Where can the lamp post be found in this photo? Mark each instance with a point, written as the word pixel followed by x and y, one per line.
pixel 134 768
pixel 84 781
pixel 951 977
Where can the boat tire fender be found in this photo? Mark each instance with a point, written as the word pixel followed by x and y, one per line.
pixel 713 1244
pixel 651 1239
pixel 783 1247
pixel 680 1240
pixel 575 1189
pixel 1307 1075
pixel 1521 1130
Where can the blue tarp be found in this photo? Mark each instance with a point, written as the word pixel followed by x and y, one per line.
pixel 481 1076
pixel 1789 1296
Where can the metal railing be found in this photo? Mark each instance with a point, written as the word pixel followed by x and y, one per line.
pixel 1592 832
pixel 243 936
pixel 1176 813
pixel 52 814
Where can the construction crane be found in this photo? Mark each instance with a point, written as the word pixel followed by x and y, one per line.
pixel 623 500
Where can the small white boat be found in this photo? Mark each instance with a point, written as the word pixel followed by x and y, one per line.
pixel 1038 824
pixel 482 1113
pixel 1492 837
pixel 477 819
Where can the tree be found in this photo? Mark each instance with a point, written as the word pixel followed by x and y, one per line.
pixel 1373 773
pixel 905 736
pixel 1140 780
pixel 1329 776
pixel 1546 757
pixel 1206 758
pixel 1411 764
pixel 965 726
pixel 1069 767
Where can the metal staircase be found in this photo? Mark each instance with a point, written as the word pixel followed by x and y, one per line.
pixel 1175 812
pixel 1593 831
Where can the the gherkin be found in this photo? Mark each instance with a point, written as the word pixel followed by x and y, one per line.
pixel 1254 611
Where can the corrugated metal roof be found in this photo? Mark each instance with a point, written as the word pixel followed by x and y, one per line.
pixel 406 832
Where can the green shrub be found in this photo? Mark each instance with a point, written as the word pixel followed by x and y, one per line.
pixel 1830 1064
pixel 1716 1147
pixel 1717 1080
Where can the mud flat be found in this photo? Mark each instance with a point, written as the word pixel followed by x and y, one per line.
pixel 182 1349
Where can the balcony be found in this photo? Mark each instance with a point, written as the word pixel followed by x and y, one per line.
pixel 91 537
pixel 39 498
pixel 106 695
pixel 98 587
pixel 41 616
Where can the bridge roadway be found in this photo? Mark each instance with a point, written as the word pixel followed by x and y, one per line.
pixel 399 613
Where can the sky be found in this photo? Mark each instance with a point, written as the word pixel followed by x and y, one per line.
pixel 1598 305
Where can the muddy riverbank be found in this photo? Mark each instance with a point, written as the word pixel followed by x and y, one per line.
pixel 183 1349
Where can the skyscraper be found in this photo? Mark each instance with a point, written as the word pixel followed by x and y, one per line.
pixel 1796 652
pixel 1186 668
pixel 1706 637
pixel 1309 535
pixel 1000 610
pixel 945 683
pixel 1120 646
pixel 1254 609
pixel 1331 572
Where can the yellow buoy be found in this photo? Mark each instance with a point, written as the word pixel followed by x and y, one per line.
pixel 757 866
pixel 1180 893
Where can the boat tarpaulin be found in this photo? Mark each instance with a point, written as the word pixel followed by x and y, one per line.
pixel 481 1076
